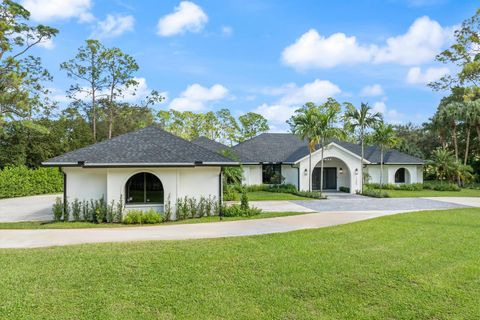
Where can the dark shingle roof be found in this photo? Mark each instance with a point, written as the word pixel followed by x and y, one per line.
pixel 288 148
pixel 209 144
pixel 150 145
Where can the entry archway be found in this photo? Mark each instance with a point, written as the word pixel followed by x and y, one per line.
pixel 336 174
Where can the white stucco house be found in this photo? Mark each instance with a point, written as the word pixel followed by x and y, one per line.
pixel 284 158
pixel 143 169
pixel 146 168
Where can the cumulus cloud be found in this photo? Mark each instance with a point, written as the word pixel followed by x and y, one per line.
pixel 416 76
pixel 187 17
pixel 312 50
pixel 113 26
pixel 196 96
pixel 53 10
pixel 291 97
pixel 389 115
pixel 423 40
pixel 372 91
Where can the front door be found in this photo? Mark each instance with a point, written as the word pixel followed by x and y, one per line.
pixel 329 178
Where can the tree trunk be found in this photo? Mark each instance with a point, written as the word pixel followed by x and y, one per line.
pixel 381 169
pixel 454 138
pixel 310 173
pixel 110 124
pixel 361 161
pixel 467 146
pixel 94 117
pixel 321 169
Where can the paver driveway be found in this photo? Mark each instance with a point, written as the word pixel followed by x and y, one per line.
pixel 34 208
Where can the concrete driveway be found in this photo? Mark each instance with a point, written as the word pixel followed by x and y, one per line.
pixel 34 208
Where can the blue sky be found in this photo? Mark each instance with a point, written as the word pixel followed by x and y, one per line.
pixel 266 56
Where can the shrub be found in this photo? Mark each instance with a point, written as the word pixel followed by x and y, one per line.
pixel 236 210
pixel 287 188
pixel 76 209
pixel 167 208
pixel 111 212
pixel 85 211
pixel 390 186
pixel 229 192
pixel 66 211
pixel 57 209
pixel 21 181
pixel 344 189
pixel 140 217
pixel 309 194
pixel 374 193
pixel 119 210
pixel 244 200
pixel 441 186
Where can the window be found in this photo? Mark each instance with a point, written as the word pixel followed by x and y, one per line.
pixel 144 187
pixel 271 174
pixel 400 176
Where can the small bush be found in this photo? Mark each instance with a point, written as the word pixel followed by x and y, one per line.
pixel 441 186
pixel 167 208
pixel 344 189
pixel 374 193
pixel 140 217
pixel 66 211
pixel 236 210
pixel 244 200
pixel 76 210
pixel 57 209
pixel 119 210
pixel 309 194
pixel 229 192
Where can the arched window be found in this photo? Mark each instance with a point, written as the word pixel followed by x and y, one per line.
pixel 144 187
pixel 400 176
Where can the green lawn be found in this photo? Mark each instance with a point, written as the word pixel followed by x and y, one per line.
pixel 421 265
pixel 433 193
pixel 82 225
pixel 266 195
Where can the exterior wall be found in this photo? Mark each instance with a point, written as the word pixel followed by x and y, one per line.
pixel 252 174
pixel 351 162
pixel 290 174
pixel 414 173
pixel 87 184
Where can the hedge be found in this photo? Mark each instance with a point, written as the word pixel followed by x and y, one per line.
pixel 21 181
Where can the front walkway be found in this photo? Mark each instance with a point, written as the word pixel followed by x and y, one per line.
pixel 61 237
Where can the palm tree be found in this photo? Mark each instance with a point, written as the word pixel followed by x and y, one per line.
pixel 304 123
pixel 361 119
pixel 450 114
pixel 442 163
pixel 471 118
pixel 385 137
pixel 328 117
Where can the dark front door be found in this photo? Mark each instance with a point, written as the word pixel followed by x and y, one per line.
pixel 329 178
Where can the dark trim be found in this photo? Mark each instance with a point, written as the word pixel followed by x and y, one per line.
pixel 64 190
pixel 144 166
pixel 220 194
pixel 298 178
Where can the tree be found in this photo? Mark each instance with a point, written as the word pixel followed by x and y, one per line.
pixel 251 125
pixel 304 124
pixel 441 163
pixel 384 136
pixel 21 76
pixel 228 126
pixel 88 67
pixel 449 113
pixel 360 120
pixel 120 69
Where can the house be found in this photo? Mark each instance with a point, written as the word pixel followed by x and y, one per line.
pixel 144 169
pixel 284 158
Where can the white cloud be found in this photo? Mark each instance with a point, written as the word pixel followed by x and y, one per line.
pixel 196 96
pixel 52 10
pixel 389 115
pixel 113 26
pixel 291 97
pixel 187 17
pixel 227 31
pixel 416 76
pixel 312 50
pixel 424 39
pixel 372 91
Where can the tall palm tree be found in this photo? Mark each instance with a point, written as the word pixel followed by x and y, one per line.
pixel 442 163
pixel 450 114
pixel 326 129
pixel 304 123
pixel 471 118
pixel 360 120
pixel 384 136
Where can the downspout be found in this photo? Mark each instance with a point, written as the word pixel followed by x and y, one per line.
pixel 298 178
pixel 64 189
pixel 220 193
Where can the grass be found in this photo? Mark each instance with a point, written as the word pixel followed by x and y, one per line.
pixel 82 225
pixel 266 195
pixel 433 193
pixel 421 265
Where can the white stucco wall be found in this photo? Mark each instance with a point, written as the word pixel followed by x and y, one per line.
pixel 290 174
pixel 252 174
pixel 87 184
pixel 414 173
pixel 349 160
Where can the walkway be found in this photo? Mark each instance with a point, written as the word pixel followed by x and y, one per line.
pixel 61 237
